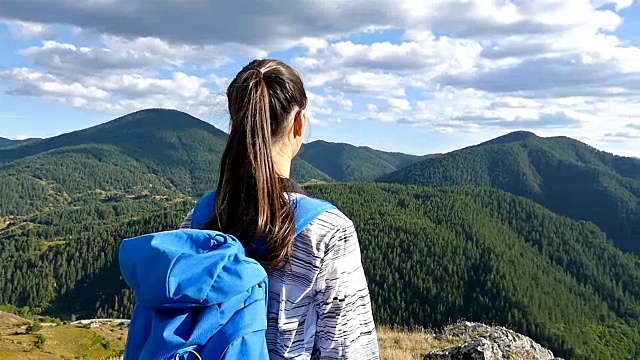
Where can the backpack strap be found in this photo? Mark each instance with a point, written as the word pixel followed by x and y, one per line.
pixel 203 210
pixel 306 208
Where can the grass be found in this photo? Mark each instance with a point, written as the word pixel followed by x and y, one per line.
pixel 58 342
pixel 68 341
pixel 398 344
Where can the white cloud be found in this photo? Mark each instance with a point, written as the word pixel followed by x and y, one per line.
pixel 623 135
pixel 119 93
pixel 70 59
pixel 24 30
pixel 547 65
pixel 371 83
pixel 121 55
pixel 322 108
pixel 24 137
pixel 440 54
pixel 32 83
pixel 399 104
pixel 300 24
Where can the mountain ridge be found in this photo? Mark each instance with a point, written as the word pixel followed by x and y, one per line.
pixel 565 175
pixel 346 162
pixel 113 132
pixel 6 143
pixel 143 124
pixel 432 254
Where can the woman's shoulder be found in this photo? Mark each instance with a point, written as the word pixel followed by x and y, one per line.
pixel 335 218
pixel 327 224
pixel 330 215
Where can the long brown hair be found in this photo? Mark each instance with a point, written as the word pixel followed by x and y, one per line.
pixel 250 196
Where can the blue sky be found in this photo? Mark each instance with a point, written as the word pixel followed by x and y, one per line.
pixel 396 75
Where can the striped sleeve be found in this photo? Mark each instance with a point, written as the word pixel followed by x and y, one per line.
pixel 345 325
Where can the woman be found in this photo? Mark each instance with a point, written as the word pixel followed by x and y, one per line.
pixel 319 303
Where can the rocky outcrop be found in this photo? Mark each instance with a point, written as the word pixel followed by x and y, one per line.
pixel 483 342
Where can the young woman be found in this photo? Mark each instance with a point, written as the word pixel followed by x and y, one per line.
pixel 319 304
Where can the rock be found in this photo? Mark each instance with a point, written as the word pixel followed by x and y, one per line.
pixel 483 342
pixel 480 349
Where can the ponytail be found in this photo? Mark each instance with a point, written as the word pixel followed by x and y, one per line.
pixel 251 203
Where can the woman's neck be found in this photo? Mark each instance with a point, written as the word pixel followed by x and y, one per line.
pixel 282 160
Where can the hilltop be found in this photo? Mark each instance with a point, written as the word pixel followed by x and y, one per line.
pixel 560 173
pixel 104 339
pixel 5 143
pixel 345 162
pixel 159 151
pixel 156 151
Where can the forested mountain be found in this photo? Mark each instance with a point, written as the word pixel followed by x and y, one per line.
pixel 5 143
pixel 432 255
pixel 157 151
pixel 563 174
pixel 168 141
pixel 345 162
pixel 154 134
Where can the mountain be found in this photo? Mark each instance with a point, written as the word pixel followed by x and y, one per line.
pixel 157 151
pixel 432 256
pixel 151 133
pixel 509 138
pixel 346 163
pixel 562 174
pixel 5 143
pixel 435 255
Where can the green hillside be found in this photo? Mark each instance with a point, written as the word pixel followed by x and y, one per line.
pixel 565 175
pixel 432 256
pixel 5 143
pixel 158 151
pixel 348 163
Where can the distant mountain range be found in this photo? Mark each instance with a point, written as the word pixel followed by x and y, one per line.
pixel 4 142
pixel 345 162
pixel 562 174
pixel 174 151
pixel 498 235
pixel 170 150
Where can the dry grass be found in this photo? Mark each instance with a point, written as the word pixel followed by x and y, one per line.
pixel 62 341
pixel 398 344
pixel 8 320
pixel 76 342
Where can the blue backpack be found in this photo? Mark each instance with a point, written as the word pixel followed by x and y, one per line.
pixel 198 295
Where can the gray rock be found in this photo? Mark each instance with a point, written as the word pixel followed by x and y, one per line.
pixel 480 349
pixel 483 342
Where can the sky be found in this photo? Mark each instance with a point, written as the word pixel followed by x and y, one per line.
pixel 402 75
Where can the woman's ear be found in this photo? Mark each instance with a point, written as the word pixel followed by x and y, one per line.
pixel 299 123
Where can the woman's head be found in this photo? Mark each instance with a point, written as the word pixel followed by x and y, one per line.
pixel 267 104
pixel 269 94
